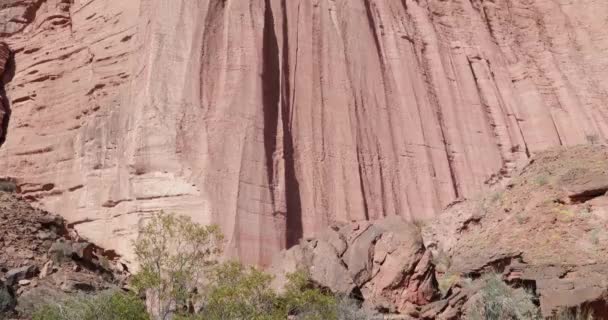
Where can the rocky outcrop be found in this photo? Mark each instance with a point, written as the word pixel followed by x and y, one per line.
pixel 538 232
pixel 43 260
pixel 274 118
pixel 383 263
pixel 542 234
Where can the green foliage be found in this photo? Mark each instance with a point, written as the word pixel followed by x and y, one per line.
pixel 104 306
pixel 236 292
pixel 302 299
pixel 174 253
pixel 240 293
pixel 541 180
pixel 446 282
pixel 498 301
pixel 178 269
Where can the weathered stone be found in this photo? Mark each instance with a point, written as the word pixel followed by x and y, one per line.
pixel 13 276
pixel 542 231
pixel 384 261
pixel 24 282
pixel 32 299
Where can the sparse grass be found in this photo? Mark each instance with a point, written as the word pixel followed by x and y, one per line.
pixel 497 301
pixel 585 211
pixel 446 282
pixel 541 180
pixel 349 309
pixel 419 223
pixel 486 203
pixel 595 236
pixel 442 261
pixel 495 197
pixel 520 219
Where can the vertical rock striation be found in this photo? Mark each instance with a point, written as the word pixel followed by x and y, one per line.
pixel 4 108
pixel 274 118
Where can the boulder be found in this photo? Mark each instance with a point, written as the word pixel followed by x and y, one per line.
pixel 383 261
pixel 13 276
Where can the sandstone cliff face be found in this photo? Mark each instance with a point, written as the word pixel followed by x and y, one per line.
pixel 275 117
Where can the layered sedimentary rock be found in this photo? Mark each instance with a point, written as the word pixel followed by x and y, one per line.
pixel 274 118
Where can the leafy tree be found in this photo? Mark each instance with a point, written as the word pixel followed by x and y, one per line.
pixel 174 253
pixel 243 293
pixel 110 305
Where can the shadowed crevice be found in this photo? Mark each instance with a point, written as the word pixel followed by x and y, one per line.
pixel 277 112
pixel 5 107
pixel 294 231
pixel 271 83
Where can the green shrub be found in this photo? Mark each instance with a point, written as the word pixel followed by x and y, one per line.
pixel 174 254
pixel 236 292
pixel 301 298
pixel 541 180
pixel 178 269
pixel 110 305
pixel 240 293
pixel 497 301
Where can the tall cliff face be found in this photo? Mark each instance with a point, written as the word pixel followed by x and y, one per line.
pixel 275 117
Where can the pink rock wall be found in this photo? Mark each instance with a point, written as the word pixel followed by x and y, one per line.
pixel 275 117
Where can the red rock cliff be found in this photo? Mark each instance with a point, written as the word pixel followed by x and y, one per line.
pixel 275 117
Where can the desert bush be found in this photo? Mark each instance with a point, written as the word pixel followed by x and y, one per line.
pixel 244 293
pixel 350 309
pixel 446 282
pixel 305 301
pixel 7 301
pixel 574 314
pixel 236 292
pixel 111 305
pixel 174 253
pixel 592 138
pixel 497 301
pixel 541 180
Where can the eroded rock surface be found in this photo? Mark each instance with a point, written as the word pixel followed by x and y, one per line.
pixel 275 118
pixel 43 260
